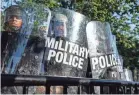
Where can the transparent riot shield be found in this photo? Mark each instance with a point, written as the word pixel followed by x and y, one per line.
pixel 23 49
pixel 66 51
pixel 34 51
pixel 102 51
pixel 99 44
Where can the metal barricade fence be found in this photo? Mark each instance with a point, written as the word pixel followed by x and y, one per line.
pixel 115 86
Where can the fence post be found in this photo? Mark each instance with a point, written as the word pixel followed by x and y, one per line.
pixel 65 89
pixel 101 89
pixel 25 89
pixel 90 89
pixel 136 89
pixel 47 89
pixel 117 89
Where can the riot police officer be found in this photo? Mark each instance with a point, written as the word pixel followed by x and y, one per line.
pixel 24 50
pixel 13 24
pixel 58 27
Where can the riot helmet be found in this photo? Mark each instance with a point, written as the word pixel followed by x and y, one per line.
pixel 13 18
pixel 60 28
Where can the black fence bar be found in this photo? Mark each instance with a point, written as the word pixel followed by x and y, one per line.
pixel 25 89
pixel 47 81
pixel 47 89
pixel 130 90
pixel 65 89
pixel 90 89
pixel 18 80
pixel 101 89
pixel 136 89
pixel 117 89
pixel 122 90
pixel 80 89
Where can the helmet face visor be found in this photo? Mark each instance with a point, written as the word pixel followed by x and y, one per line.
pixel 59 29
pixel 13 18
pixel 14 22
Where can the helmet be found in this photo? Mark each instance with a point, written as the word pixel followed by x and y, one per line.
pixel 60 27
pixel 10 12
pixel 60 17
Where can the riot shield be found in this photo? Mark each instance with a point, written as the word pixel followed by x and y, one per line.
pixel 66 51
pixel 102 51
pixel 25 46
pixel 23 49
pixel 99 44
pixel 66 48
pixel 13 41
pixel 34 51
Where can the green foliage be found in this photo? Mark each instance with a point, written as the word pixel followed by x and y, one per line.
pixel 48 3
pixel 36 11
